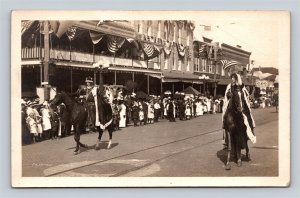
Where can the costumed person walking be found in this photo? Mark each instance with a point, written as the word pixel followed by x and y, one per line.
pixel 246 110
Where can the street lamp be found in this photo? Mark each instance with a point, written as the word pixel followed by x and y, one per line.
pixel 100 66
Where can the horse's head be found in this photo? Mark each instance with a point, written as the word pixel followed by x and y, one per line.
pixel 107 94
pixel 237 100
pixel 59 98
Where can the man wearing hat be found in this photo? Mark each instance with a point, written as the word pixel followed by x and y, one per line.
pixel 84 93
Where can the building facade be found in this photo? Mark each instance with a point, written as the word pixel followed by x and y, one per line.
pixel 214 62
pixel 157 55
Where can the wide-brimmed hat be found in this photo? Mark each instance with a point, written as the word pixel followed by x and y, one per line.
pixel 89 80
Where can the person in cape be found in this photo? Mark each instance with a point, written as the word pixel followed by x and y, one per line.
pixel 237 83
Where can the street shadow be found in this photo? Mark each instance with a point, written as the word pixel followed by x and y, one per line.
pixel 103 145
pixel 222 155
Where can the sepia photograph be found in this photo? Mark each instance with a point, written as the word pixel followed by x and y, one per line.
pixel 150 98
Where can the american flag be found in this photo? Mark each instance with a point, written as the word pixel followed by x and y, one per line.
pixel 226 64
pixel 201 49
pixel 150 50
pixel 71 32
pixel 114 43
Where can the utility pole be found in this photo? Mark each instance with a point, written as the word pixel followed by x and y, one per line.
pixel 215 47
pixel 46 61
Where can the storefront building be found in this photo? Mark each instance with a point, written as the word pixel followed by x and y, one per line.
pixel 61 54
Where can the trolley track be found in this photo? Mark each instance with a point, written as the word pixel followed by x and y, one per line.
pixel 261 122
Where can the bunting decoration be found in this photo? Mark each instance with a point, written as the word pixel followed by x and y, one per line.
pixel 167 48
pixel 181 50
pixel 151 51
pixel 60 27
pixel 114 43
pixel 227 64
pixel 203 51
pixel 25 25
pixel 96 37
pixel 71 33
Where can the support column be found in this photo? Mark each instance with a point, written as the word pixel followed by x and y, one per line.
pixel 161 87
pixel 182 86
pixel 71 71
pixel 173 89
pixel 115 77
pixel 46 60
pixel 148 84
pixel 95 77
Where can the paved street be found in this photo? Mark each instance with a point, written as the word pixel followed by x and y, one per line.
pixel 183 148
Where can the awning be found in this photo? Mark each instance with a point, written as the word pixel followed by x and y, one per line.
pixel 181 77
pixel 226 81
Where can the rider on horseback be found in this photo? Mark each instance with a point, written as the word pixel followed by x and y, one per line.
pixel 246 110
pixel 84 93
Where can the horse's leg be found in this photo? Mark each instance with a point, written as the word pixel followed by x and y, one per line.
pixel 228 166
pixel 239 156
pixel 247 152
pixel 110 131
pixel 81 129
pixel 76 138
pixel 97 147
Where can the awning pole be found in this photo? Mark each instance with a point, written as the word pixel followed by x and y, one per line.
pixel 173 88
pixel 71 80
pixel 148 84
pixel 133 79
pixel 161 87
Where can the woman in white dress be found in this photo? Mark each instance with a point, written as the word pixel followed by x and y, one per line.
pixel 122 122
pixel 46 124
pixel 150 112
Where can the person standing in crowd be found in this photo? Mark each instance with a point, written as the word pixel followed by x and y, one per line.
pixel 25 132
pixel 181 108
pixel 171 111
pixel 221 105
pixel 46 120
pixel 188 110
pixel 135 113
pixel 156 110
pixel 150 112
pixel 55 124
pixel 123 110
pixel 141 115
pixel 237 84
pixel 145 109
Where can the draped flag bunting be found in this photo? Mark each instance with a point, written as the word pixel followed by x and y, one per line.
pixel 227 64
pixel 134 42
pixel 203 51
pixel 211 52
pixel 71 33
pixel 25 25
pixel 168 48
pixel 181 50
pixel 96 37
pixel 151 51
pixel 114 43
pixel 60 27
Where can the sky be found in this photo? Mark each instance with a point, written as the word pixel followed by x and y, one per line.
pixel 257 33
